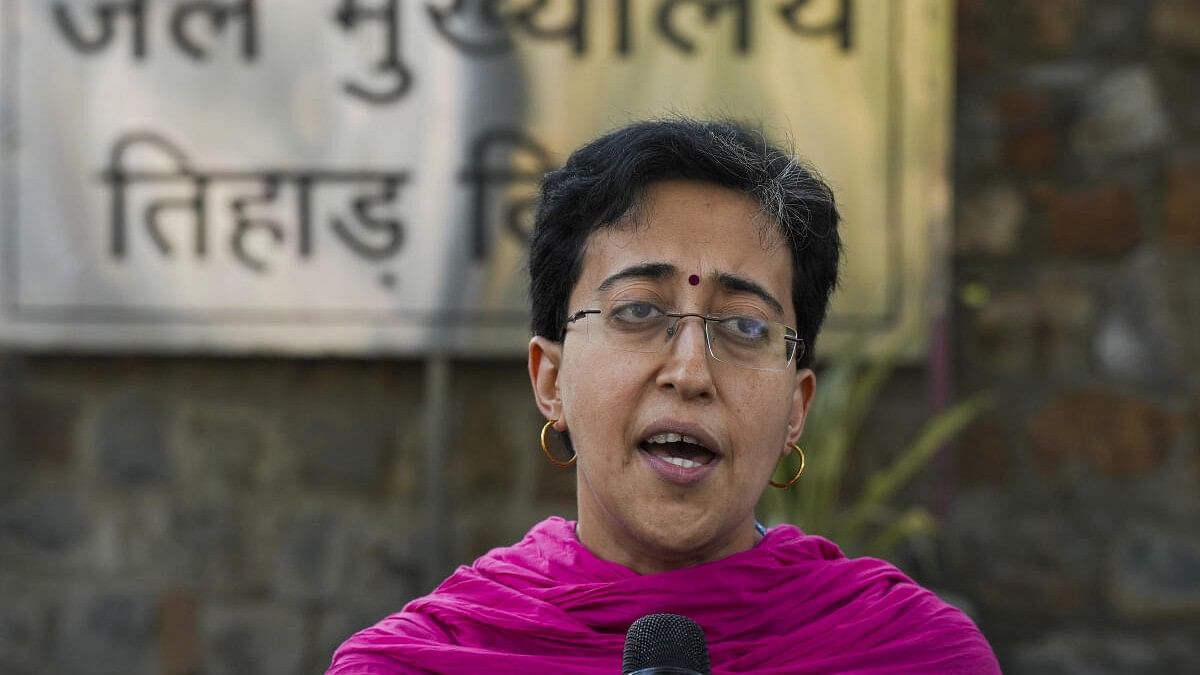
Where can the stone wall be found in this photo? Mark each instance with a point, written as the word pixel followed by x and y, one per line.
pixel 1075 529
pixel 180 516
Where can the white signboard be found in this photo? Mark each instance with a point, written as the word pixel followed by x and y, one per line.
pixel 355 176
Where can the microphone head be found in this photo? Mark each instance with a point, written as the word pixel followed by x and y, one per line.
pixel 665 643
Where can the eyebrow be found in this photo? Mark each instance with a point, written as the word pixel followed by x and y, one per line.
pixel 738 284
pixel 661 270
pixel 640 271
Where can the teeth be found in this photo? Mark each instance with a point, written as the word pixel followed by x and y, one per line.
pixel 680 461
pixel 669 437
pixel 672 437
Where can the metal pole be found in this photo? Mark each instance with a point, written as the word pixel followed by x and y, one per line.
pixel 437 442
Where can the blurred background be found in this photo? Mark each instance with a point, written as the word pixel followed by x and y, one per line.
pixel 262 324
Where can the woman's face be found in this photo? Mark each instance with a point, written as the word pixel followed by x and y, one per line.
pixel 674 447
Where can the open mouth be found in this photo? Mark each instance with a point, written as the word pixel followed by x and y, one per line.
pixel 678 449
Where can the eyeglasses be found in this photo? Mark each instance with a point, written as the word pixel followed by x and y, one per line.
pixel 745 340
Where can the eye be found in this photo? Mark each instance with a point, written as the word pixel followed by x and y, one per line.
pixel 747 328
pixel 635 311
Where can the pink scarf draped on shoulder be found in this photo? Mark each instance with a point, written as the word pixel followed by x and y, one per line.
pixel 792 604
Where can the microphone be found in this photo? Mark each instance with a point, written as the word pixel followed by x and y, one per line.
pixel 665 644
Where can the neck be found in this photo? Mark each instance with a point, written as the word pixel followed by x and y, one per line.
pixel 644 557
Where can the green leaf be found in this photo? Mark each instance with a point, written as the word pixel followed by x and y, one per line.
pixel 935 434
pixel 849 386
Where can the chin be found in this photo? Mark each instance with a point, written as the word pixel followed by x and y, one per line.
pixel 681 533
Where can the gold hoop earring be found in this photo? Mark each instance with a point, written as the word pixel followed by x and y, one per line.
pixel 790 483
pixel 546 451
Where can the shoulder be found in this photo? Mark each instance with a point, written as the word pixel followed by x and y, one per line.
pixel 914 624
pixel 472 606
pixel 872 608
pixel 382 648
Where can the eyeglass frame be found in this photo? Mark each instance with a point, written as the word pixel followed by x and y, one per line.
pixel 672 328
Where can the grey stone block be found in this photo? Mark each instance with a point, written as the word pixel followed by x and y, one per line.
pixel 214 547
pixel 1156 573
pixel 106 633
pixel 386 573
pixel 339 447
pixel 43 430
pixel 310 559
pixel 1134 339
pixel 258 639
pixel 1123 115
pixel 24 628
pixel 49 521
pixel 132 441
pixel 222 453
pixel 1078 653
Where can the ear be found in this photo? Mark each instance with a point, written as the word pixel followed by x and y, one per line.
pixel 802 396
pixel 545 357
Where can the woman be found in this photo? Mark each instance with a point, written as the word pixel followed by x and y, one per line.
pixel 680 272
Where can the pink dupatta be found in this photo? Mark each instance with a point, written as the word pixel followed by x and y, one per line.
pixel 792 604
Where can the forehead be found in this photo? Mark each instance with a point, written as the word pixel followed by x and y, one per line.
pixel 697 228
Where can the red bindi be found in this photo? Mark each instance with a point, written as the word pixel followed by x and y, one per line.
pixel 694 280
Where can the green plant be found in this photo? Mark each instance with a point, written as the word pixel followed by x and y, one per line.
pixel 867 524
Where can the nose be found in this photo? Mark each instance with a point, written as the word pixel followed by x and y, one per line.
pixel 686 366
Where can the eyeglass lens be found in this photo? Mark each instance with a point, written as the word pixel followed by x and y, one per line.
pixel 747 341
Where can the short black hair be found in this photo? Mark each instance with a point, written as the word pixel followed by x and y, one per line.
pixel 604 180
